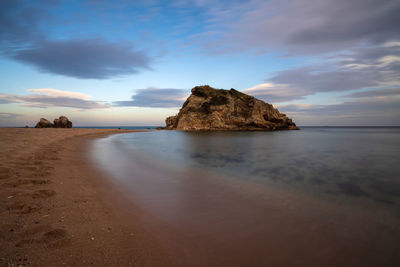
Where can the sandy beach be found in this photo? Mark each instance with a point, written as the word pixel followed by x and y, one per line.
pixel 54 209
pixel 58 208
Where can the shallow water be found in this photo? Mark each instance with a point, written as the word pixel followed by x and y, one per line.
pixel 335 186
pixel 354 162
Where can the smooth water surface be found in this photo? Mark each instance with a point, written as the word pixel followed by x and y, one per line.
pixel 252 198
pixel 354 162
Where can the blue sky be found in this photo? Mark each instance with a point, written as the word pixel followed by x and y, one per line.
pixel 332 62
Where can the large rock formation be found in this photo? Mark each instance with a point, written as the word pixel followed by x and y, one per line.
pixel 43 123
pixel 217 109
pixel 61 122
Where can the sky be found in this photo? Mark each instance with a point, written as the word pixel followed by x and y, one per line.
pixel 132 63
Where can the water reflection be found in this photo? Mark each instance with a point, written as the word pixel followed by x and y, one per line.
pixel 345 161
pixel 225 198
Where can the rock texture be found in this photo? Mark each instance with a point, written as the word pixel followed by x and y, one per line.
pixel 43 123
pixel 61 122
pixel 217 109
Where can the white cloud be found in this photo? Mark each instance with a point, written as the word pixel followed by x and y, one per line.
pixel 392 44
pixel 368 108
pixel 275 92
pixel 59 93
pixel 8 115
pixel 44 98
pixel 387 60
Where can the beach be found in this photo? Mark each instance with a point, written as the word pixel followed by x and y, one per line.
pixel 73 197
pixel 55 209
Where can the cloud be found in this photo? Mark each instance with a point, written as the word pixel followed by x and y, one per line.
pixel 368 111
pixel 8 115
pixel 53 98
pixel 156 97
pixel 5 101
pixel 19 22
pixel 60 93
pixel 22 38
pixel 376 93
pixel 302 26
pixel 371 67
pixel 85 59
pixel 273 92
pixel 369 75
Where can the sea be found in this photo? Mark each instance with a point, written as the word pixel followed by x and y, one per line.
pixel 234 192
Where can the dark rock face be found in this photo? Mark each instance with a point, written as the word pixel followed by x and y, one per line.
pixel 217 109
pixel 43 123
pixel 62 122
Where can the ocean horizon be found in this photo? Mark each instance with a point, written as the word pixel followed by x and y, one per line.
pixel 135 127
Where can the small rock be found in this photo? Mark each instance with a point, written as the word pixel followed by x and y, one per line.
pixel 62 122
pixel 43 123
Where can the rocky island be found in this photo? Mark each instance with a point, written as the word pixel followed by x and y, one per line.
pixel 208 108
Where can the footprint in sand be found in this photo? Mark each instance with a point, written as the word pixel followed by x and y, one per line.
pixel 19 207
pixel 6 229
pixel 4 173
pixel 20 162
pixel 43 193
pixel 46 168
pixel 44 235
pixel 29 168
pixel 38 170
pixel 49 155
pixel 38 162
pixel 42 172
pixel 31 182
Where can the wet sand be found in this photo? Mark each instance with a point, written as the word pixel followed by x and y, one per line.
pixel 58 208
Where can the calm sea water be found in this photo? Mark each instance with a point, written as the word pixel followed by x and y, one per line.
pixel 351 162
pixel 120 127
pixel 324 196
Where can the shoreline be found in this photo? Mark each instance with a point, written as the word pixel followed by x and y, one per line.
pixel 206 218
pixel 57 209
